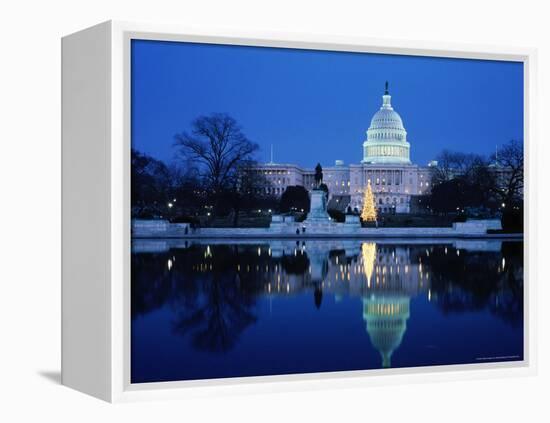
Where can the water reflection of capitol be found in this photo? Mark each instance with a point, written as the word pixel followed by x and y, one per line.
pixel 385 276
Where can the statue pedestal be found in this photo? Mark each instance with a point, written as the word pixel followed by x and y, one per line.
pixel 318 208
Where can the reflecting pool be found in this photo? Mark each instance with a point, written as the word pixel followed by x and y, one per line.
pixel 214 309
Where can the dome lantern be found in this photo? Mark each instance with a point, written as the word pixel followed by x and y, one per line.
pixel 386 98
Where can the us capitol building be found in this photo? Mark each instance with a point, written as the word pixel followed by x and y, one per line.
pixel 386 164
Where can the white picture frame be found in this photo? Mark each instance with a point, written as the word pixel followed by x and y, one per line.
pixel 96 226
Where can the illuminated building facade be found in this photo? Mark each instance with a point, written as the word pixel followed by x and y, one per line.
pixel 386 164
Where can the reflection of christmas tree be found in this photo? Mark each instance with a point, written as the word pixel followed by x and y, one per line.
pixel 368 252
pixel 369 208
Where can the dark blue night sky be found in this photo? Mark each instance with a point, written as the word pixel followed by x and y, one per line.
pixel 316 106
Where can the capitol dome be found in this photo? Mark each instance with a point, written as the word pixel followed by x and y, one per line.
pixel 386 137
pixel 387 119
pixel 386 319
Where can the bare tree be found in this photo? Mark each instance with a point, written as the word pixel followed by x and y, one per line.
pixel 151 185
pixel 219 148
pixel 452 164
pixel 509 168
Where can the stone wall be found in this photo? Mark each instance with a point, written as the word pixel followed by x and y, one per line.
pixel 281 228
pixel 159 228
pixel 477 226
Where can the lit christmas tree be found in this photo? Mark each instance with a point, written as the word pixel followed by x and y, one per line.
pixel 369 208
